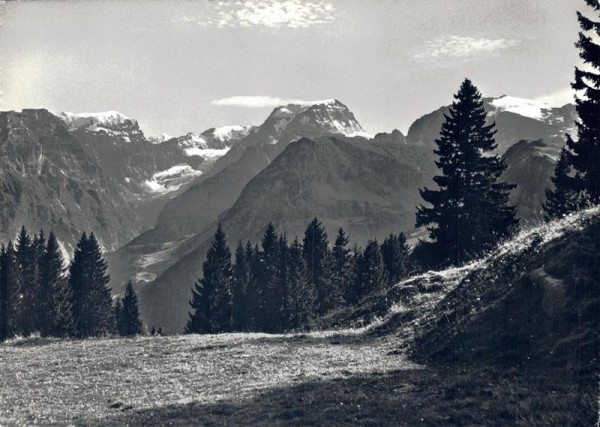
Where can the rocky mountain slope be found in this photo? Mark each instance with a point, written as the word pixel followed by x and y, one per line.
pixel 149 173
pixel 49 181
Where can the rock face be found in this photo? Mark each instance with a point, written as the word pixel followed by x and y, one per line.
pixel 49 181
pixel 149 173
pixel 95 171
pixel 367 187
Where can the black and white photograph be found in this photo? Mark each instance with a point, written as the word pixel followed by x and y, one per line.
pixel 300 213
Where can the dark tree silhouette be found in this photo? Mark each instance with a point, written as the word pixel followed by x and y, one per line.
pixel 318 264
pixel 469 212
pixel 562 199
pixel 128 322
pixel 26 261
pixel 92 302
pixel 56 297
pixel 211 295
pixel 341 266
pixel 300 295
pixel 395 253
pixel 584 154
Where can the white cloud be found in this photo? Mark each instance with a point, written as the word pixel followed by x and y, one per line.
pixel 257 101
pixel 263 14
pixel 463 48
pixel 558 98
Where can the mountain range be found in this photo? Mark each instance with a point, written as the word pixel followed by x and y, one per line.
pixel 155 202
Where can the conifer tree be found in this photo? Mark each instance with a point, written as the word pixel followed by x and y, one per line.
pixel 267 281
pixel 372 270
pixel 153 331
pixel 6 297
pixel 341 261
pixel 129 319
pixel 39 249
pixel 241 282
pixel 300 295
pixel 394 253
pixel 470 212
pixel 92 302
pixel 584 154
pixel 160 331
pixel 353 291
pixel 56 298
pixel 26 261
pixel 279 288
pixel 316 255
pixel 562 199
pixel 118 315
pixel 211 297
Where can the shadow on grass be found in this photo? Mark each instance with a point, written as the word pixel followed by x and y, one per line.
pixel 408 397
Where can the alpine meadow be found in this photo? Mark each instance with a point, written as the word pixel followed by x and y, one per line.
pixel 430 256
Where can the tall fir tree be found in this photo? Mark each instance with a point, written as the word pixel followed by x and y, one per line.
pixel 562 199
pixel 353 291
pixel 211 296
pixel 92 302
pixel 4 297
pixel 469 212
pixel 395 254
pixel 128 322
pixel 300 294
pixel 26 261
pixel 341 266
pixel 118 315
pixel 56 298
pixel 372 270
pixel 584 153
pixel 318 262
pixel 268 308
pixel 241 283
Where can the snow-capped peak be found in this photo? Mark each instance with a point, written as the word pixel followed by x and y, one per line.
pixel 227 133
pixel 89 120
pixel 523 107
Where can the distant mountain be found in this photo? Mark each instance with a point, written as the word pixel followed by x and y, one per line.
pixel 49 181
pixel 149 172
pixel 216 191
pixel 530 166
pixel 370 188
pixel 516 119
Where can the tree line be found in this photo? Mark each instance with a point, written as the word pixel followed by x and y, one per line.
pixel 279 286
pixel 40 295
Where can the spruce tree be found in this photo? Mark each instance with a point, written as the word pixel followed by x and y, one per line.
pixel 562 199
pixel 394 253
pixel 300 295
pixel 372 270
pixel 469 212
pixel 56 298
pixel 341 261
pixel 211 296
pixel 153 331
pixel 92 302
pixel 279 287
pixel 5 297
pixel 584 154
pixel 268 313
pixel 353 291
pixel 130 323
pixel 241 282
pixel 318 262
pixel 27 263
pixel 118 315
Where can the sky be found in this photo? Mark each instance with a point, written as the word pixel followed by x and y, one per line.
pixel 181 66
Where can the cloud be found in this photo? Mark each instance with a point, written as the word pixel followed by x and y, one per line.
pixel 558 98
pixel 463 48
pixel 257 101
pixel 263 14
